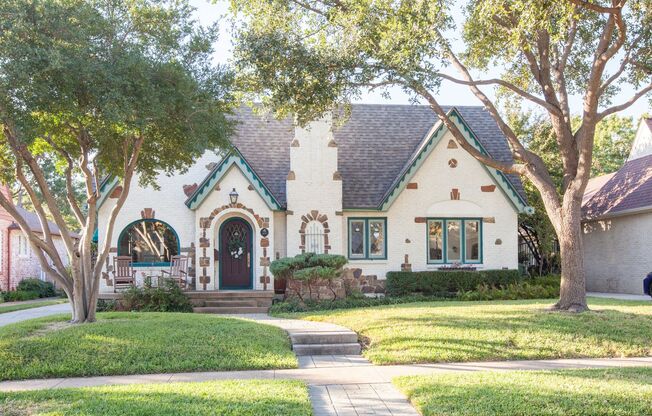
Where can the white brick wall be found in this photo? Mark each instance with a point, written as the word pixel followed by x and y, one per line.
pixel 618 253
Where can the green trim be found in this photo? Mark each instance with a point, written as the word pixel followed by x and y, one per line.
pixel 367 255
pixel 232 159
pixel 106 188
pixel 156 263
pixel 251 256
pixel 462 221
pixel 433 138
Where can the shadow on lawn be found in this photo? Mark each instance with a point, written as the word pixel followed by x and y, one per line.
pixel 569 392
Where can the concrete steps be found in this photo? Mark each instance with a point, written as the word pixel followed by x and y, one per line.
pixel 230 310
pixel 325 343
pixel 231 302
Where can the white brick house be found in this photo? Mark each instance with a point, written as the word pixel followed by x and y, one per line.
pixel 388 188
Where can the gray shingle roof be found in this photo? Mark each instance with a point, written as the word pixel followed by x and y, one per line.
pixel 374 144
pixel 628 189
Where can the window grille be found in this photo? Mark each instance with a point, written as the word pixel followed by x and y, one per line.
pixel 315 237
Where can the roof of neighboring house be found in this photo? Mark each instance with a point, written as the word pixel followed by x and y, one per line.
pixel 375 144
pixel 629 189
pixel 32 220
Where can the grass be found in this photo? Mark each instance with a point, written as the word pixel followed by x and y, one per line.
pixel 139 343
pixel 224 398
pixel 30 305
pixel 450 331
pixel 610 392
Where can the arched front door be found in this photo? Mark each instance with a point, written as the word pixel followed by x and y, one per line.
pixel 235 255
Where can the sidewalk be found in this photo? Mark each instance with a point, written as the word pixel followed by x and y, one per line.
pixel 620 296
pixel 33 313
pixel 322 376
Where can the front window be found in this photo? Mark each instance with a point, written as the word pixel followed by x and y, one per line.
pixel 148 242
pixel 315 237
pixel 368 238
pixel 454 240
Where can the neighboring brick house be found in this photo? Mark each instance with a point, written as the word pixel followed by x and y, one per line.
pixel 389 189
pixel 617 228
pixel 17 261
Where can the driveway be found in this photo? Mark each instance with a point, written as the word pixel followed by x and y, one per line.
pixel 18 316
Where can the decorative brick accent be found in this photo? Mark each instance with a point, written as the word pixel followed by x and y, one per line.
pixel 337 176
pixel 113 250
pixel 116 192
pixel 322 218
pixel 488 188
pixel 147 214
pixel 339 213
pixel 264 242
pixel 211 166
pixel 291 176
pixel 205 223
pixel 412 185
pixel 406 266
pixel 264 279
pixel 489 220
pixel 190 189
pixel 420 220
pixel 332 143
pixel 295 143
pixel 407 241
pixel 204 261
pixel 204 242
pixel 314 215
pixel 250 187
pixel 498 242
pixel 204 280
pixel 109 281
pixel 217 187
pixel 264 261
pixel 451 144
pixel 452 163
pixel 455 194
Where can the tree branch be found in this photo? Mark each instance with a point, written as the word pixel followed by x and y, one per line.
pixel 596 7
pixel 627 103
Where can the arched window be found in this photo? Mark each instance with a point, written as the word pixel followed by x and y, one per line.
pixel 149 243
pixel 315 237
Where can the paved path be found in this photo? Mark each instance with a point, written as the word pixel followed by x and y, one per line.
pixel 338 375
pixel 621 296
pixel 25 314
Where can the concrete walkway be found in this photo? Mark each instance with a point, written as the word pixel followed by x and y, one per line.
pixel 33 313
pixel 620 296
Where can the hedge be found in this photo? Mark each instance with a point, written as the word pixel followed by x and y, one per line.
pixel 444 282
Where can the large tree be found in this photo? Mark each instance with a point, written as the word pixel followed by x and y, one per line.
pixel 100 88
pixel 307 56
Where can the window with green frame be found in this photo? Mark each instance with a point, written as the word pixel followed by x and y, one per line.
pixel 149 242
pixel 368 238
pixel 454 240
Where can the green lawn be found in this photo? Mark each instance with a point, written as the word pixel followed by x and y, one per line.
pixel 612 392
pixel 224 398
pixel 449 331
pixel 29 305
pixel 139 343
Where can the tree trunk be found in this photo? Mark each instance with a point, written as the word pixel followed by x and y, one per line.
pixel 572 295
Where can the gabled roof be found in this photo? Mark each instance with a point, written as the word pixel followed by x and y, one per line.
pixel 627 191
pixel 375 146
pixel 232 159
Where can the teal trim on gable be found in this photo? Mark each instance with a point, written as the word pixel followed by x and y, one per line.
pixel 107 186
pixel 232 159
pixel 434 136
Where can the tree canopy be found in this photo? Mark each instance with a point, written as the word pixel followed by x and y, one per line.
pixel 101 88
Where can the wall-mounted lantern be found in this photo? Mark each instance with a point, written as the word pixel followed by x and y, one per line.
pixel 233 195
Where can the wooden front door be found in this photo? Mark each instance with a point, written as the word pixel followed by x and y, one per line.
pixel 235 254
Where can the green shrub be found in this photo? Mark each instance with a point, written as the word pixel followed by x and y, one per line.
pixel 294 305
pixel 44 289
pixel 444 282
pixel 106 305
pixel 20 295
pixel 309 268
pixel 536 288
pixel 169 298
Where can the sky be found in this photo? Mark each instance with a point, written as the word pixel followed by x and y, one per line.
pixel 449 93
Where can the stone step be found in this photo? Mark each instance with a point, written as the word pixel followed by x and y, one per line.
pixel 232 303
pixel 230 294
pixel 230 309
pixel 314 337
pixel 352 348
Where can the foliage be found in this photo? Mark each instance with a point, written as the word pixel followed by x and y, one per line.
pixel 90 89
pixel 20 295
pixel 107 305
pixel 140 343
pixel 538 288
pixel 43 288
pixel 579 392
pixel 443 283
pixel 168 298
pixel 309 268
pixel 454 331
pixel 225 398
